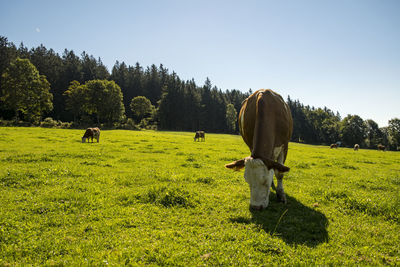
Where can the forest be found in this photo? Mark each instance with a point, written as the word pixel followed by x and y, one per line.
pixel 42 87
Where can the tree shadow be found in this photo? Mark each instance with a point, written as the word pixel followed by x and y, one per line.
pixel 295 223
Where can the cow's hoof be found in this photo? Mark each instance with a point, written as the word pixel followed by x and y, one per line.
pixel 281 196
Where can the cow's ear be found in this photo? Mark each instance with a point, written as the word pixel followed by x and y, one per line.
pixel 236 165
pixel 275 165
pixel 280 167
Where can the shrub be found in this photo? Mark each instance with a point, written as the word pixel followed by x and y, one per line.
pixel 49 123
pixel 129 124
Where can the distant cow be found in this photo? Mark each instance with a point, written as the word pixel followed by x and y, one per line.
pixel 334 146
pixel 266 125
pixel 381 147
pixel 91 133
pixel 356 147
pixel 200 136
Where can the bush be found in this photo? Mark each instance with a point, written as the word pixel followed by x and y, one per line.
pixel 49 123
pixel 148 123
pixel 129 124
pixel 6 123
pixel 65 125
pixel 13 123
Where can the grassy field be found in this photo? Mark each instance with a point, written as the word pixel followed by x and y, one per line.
pixel 158 198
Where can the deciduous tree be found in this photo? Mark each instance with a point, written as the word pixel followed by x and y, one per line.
pixel 106 100
pixel 353 130
pixel 394 132
pixel 25 91
pixel 78 100
pixel 141 108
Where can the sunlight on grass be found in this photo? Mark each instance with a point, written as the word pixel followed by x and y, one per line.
pixel 158 198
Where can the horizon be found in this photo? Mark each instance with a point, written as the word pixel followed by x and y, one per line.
pixel 336 54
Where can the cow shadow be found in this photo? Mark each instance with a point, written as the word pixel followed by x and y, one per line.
pixel 294 223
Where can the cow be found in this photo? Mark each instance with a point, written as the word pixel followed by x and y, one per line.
pixel 91 133
pixel 200 136
pixel 266 125
pixel 356 147
pixel 381 147
pixel 334 146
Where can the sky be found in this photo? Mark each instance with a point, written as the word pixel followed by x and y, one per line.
pixel 339 54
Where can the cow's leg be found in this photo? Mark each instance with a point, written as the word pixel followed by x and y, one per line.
pixel 280 193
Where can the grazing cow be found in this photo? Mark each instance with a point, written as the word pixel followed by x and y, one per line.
pixel 266 125
pixel 356 147
pixel 91 133
pixel 334 146
pixel 200 136
pixel 381 147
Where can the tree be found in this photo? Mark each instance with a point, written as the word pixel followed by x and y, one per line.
pixel 394 133
pixel 191 107
pixel 231 116
pixel 141 108
pixel 8 52
pixel 330 130
pixel 77 99
pixel 105 100
pixel 352 130
pixel 25 91
pixel 153 86
pixel 374 134
pixel 93 69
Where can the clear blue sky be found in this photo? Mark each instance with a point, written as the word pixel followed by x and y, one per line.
pixel 344 55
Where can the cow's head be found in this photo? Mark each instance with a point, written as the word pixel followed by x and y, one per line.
pixel 83 139
pixel 259 178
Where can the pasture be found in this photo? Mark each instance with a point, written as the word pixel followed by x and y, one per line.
pixel 159 198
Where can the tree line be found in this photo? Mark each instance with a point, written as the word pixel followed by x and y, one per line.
pixel 323 126
pixel 81 90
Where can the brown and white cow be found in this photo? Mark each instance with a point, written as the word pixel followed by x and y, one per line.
pixel 381 147
pixel 334 146
pixel 356 147
pixel 91 133
pixel 200 136
pixel 266 125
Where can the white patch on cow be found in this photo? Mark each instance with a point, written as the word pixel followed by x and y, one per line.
pixel 83 139
pixel 259 179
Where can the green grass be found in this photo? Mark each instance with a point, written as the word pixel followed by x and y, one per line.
pixel 158 198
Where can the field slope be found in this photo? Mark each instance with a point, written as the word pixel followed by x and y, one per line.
pixel 158 198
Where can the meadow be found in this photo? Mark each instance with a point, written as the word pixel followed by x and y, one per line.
pixel 159 198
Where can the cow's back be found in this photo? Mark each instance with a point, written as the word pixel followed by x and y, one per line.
pixel 265 122
pixel 88 133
